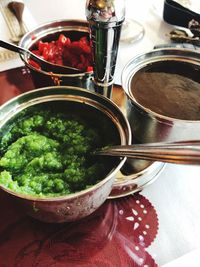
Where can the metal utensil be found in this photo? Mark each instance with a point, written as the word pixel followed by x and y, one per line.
pixel 44 65
pixel 185 152
pixel 17 8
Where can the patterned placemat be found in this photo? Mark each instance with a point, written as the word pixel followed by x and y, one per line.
pixel 116 235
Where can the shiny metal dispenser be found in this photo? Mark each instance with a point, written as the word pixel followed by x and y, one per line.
pixel 105 19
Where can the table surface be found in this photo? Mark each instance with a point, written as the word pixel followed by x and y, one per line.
pixel 175 194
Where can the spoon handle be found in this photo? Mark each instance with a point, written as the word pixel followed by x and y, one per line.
pixel 23 51
pixel 18 49
pixel 186 152
pixel 9 46
pixel 43 64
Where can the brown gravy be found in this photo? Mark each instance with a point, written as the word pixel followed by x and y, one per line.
pixel 168 94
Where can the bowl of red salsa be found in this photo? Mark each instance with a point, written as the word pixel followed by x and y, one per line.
pixel 65 43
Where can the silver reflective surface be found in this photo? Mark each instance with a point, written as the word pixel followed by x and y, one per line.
pixel 105 21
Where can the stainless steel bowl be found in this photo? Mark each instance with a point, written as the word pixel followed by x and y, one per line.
pixel 78 205
pixel 75 29
pixel 170 113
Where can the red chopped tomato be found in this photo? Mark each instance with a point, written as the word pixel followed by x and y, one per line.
pixel 89 69
pixel 36 52
pixel 45 53
pixel 84 44
pixel 63 51
pixel 33 37
pixel 63 40
pixel 34 64
pixel 42 45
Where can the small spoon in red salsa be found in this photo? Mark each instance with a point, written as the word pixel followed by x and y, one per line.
pixel 65 52
pixel 39 61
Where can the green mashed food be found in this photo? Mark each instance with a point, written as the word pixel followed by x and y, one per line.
pixel 48 154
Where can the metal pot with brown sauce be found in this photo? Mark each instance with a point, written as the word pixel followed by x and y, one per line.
pixel 163 91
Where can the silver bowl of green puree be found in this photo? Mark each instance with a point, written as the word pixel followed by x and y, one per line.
pixel 46 165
